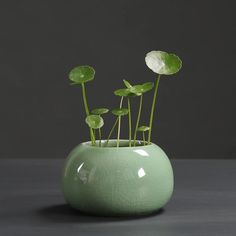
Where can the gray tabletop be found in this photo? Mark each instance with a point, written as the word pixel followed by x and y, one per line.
pixel 31 202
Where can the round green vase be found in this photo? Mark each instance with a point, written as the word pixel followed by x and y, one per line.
pixel 117 181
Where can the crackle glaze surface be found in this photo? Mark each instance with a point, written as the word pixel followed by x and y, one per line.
pixel 117 181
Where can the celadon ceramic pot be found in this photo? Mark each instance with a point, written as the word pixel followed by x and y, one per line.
pixel 117 181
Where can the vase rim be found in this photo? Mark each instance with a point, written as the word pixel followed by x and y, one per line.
pixel 124 144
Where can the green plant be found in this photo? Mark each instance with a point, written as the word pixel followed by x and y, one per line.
pixel 95 122
pixel 139 90
pixel 99 112
pixel 159 62
pixel 79 76
pixel 143 129
pixel 125 92
pixel 119 112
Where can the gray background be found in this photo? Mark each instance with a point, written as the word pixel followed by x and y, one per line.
pixel 40 41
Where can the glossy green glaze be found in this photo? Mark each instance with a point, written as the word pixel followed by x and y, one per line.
pixel 117 181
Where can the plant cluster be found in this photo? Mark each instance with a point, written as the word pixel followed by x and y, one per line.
pixel 159 62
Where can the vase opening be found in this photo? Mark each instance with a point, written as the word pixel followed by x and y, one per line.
pixel 123 143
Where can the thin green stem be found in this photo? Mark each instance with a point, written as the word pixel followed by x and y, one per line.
pixel 138 118
pixel 85 99
pixel 153 107
pixel 130 123
pixel 100 137
pixel 87 112
pixel 144 141
pixel 94 135
pixel 118 132
pixel 112 129
pixel 119 124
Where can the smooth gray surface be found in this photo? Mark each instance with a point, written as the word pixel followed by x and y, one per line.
pixel 203 203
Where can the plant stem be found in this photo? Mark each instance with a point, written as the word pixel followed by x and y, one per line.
pixel 119 124
pixel 112 129
pixel 87 112
pixel 130 123
pixel 144 141
pixel 153 107
pixel 94 135
pixel 138 118
pixel 100 136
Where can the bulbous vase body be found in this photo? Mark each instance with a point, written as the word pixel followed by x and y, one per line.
pixel 117 181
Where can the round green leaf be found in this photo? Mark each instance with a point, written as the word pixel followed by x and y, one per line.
pixel 127 84
pixel 143 128
pixel 163 63
pixel 99 111
pixel 123 92
pixel 120 111
pixel 94 121
pixel 147 87
pixel 81 74
pixel 136 89
pixel 140 89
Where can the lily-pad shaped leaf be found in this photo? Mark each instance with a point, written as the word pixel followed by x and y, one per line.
pixel 143 128
pixel 125 92
pixel 127 84
pixel 136 89
pixel 140 89
pixel 94 121
pixel 99 111
pixel 81 74
pixel 120 111
pixel 163 63
pixel 147 87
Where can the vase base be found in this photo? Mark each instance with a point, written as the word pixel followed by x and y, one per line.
pixel 119 214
